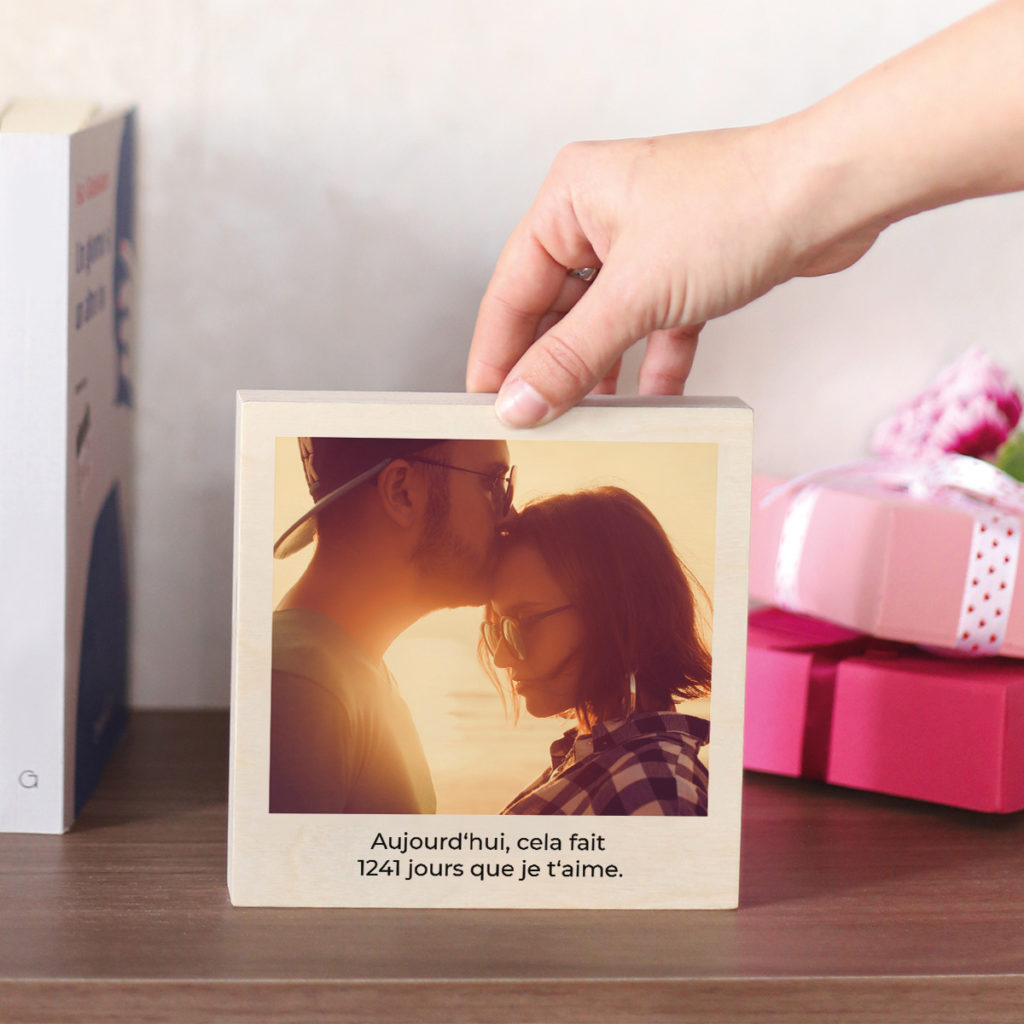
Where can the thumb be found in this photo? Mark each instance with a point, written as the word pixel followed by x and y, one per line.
pixel 564 364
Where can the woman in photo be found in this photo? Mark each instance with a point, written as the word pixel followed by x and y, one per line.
pixel 593 617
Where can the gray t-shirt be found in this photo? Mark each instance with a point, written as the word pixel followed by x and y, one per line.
pixel 341 737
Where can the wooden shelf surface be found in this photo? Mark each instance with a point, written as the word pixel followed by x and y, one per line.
pixel 854 907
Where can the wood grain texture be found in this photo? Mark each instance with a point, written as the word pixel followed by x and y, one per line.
pixel 854 907
pixel 314 860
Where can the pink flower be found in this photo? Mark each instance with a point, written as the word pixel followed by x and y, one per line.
pixel 970 408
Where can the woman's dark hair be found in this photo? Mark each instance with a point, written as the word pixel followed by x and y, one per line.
pixel 635 597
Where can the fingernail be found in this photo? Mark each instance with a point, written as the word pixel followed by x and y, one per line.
pixel 519 405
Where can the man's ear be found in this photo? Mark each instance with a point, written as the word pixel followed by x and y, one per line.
pixel 402 492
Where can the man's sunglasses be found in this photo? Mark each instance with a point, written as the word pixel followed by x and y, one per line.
pixel 298 534
pixel 502 483
pixel 512 631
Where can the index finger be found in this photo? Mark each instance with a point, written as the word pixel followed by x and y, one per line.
pixel 526 283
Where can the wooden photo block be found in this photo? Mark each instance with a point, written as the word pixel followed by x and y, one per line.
pixel 479 667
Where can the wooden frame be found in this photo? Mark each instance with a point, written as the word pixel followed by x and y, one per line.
pixel 301 859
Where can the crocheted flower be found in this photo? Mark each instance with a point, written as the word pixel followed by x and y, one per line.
pixel 970 408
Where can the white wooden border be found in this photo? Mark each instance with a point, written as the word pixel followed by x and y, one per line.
pixel 310 860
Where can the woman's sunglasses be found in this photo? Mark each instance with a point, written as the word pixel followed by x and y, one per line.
pixel 512 631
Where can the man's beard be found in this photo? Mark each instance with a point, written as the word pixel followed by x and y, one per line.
pixel 455 574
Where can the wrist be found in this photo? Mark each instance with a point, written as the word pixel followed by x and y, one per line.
pixel 830 196
pixel 940 123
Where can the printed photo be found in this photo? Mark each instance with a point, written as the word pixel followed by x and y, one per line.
pixel 497 627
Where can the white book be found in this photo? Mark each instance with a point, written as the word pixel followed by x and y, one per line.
pixel 67 271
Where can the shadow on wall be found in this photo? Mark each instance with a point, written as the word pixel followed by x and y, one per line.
pixel 295 267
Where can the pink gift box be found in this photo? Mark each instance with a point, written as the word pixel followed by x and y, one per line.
pixel 825 703
pixel 940 573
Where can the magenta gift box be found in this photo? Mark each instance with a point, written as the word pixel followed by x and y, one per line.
pixel 924 572
pixel 826 703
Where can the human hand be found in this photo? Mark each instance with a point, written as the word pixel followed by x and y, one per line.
pixel 683 228
pixel 688 227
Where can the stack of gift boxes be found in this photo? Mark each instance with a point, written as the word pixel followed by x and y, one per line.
pixel 889 654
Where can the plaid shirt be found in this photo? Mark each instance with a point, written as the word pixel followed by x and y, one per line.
pixel 644 764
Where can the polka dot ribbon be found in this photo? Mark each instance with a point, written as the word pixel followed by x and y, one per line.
pixel 996 502
pixel 992 499
pixel 988 593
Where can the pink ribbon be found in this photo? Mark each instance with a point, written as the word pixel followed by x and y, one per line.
pixel 994 500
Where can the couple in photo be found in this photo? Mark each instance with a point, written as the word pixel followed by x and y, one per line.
pixel 588 614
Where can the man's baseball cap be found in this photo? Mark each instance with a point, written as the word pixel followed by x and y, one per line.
pixel 334 466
